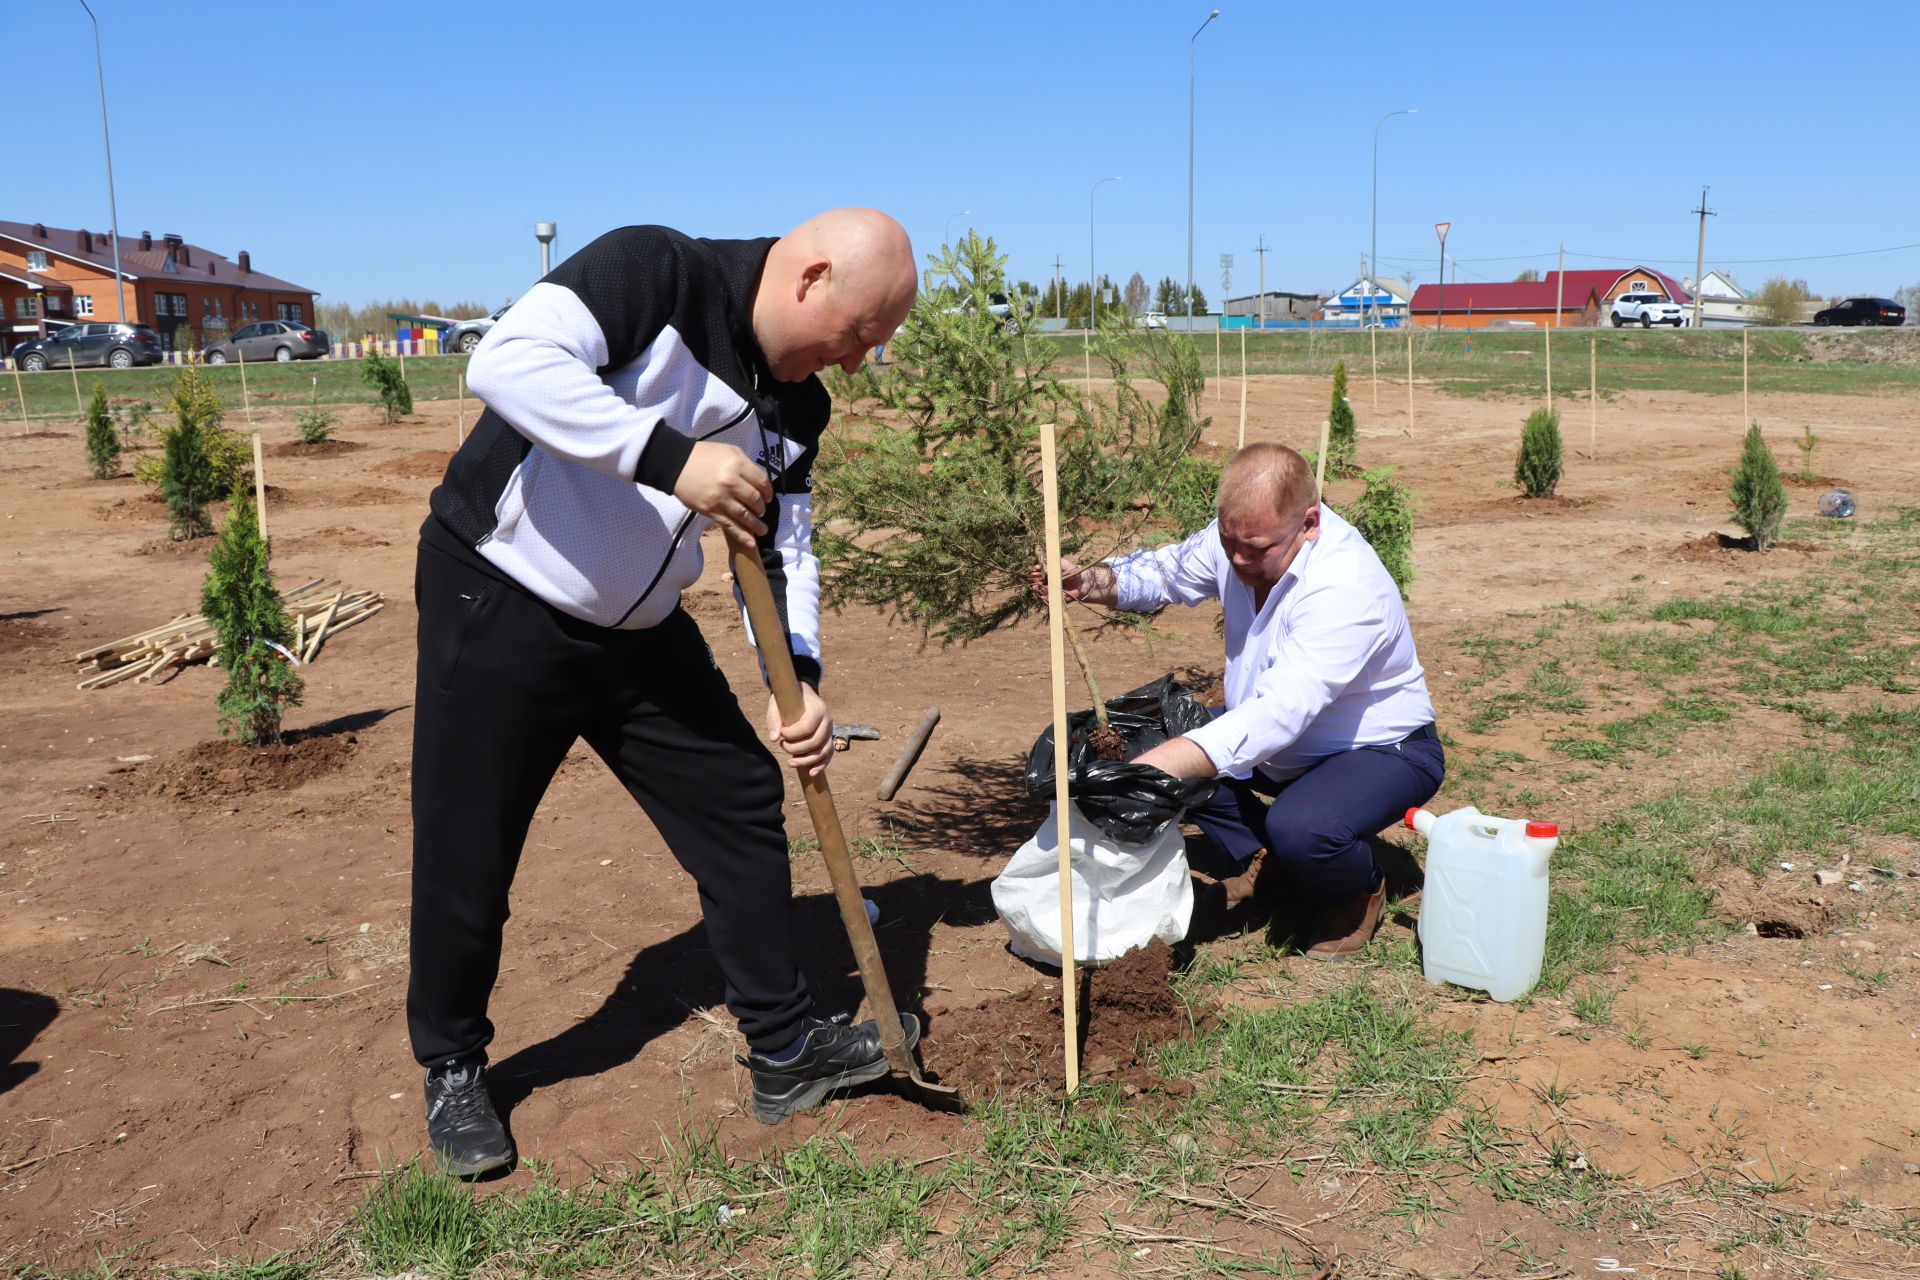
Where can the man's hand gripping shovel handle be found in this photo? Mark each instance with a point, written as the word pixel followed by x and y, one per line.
pixel 768 632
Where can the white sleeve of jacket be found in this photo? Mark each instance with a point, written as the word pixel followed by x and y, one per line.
pixel 539 369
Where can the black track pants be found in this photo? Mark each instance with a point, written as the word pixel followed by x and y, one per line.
pixel 505 686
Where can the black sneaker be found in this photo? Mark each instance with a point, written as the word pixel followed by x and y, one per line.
pixel 836 1055
pixel 462 1126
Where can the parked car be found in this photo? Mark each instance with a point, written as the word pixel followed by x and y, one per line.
pixel 101 342
pixel 1863 311
pixel 997 305
pixel 466 335
pixel 265 340
pixel 1648 310
pixel 1153 320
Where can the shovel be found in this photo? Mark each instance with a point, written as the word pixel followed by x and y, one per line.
pixel 768 632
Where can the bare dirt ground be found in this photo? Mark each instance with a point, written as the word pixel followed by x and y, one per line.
pixel 205 1050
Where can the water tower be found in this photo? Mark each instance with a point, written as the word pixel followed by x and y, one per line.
pixel 544 232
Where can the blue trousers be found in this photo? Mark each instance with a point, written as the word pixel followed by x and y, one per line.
pixel 1315 829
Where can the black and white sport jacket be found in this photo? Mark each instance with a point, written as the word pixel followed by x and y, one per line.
pixel 597 385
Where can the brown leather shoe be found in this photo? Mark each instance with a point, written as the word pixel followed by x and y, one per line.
pixel 1243 888
pixel 1345 929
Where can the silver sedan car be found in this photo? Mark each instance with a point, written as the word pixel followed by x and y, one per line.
pixel 265 340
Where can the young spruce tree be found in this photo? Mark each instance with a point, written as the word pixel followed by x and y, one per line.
pixel 1537 468
pixel 239 599
pixel 188 474
pixel 937 520
pixel 1343 434
pixel 1758 495
pixel 103 442
pixel 382 373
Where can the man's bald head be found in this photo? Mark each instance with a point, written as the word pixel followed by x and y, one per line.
pixel 834 287
pixel 1266 477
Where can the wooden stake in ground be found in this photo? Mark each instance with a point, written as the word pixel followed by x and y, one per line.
pixel 73 367
pixel 1217 375
pixel 1062 801
pixel 1593 397
pixel 1373 342
pixel 460 384
pixel 1320 460
pixel 1548 335
pixel 1243 390
pixel 21 392
pixel 1746 414
pixel 246 401
pixel 1409 374
pixel 259 486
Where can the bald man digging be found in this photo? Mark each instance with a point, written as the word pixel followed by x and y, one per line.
pixel 653 385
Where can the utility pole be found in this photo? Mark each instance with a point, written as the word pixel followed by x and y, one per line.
pixel 1059 289
pixel 1261 249
pixel 1700 254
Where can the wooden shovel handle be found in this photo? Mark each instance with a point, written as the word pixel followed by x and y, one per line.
pixel 771 637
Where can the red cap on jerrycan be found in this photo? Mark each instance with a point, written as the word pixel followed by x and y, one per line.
pixel 1410 814
pixel 1543 828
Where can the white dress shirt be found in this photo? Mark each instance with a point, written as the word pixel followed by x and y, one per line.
pixel 1326 665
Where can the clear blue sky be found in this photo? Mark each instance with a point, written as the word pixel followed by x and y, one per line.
pixel 373 151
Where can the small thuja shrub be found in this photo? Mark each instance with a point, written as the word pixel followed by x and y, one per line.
pixel 188 476
pixel 1537 469
pixel 382 373
pixel 239 600
pixel 1805 444
pixel 315 424
pixel 194 401
pixel 1758 496
pixel 1343 434
pixel 103 442
pixel 1383 513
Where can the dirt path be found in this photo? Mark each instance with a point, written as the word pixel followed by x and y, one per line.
pixel 206 1047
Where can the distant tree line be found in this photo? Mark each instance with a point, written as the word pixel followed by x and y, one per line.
pixel 348 323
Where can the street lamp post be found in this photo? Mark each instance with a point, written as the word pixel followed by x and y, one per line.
pixel 113 208
pixel 1190 79
pixel 1440 307
pixel 1370 312
pixel 1093 281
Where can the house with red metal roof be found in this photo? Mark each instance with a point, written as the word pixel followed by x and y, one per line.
pixel 1564 299
pixel 51 277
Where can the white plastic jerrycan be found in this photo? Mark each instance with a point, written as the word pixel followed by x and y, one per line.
pixel 1483 912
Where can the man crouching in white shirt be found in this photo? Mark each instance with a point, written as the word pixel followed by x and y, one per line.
pixel 1326 710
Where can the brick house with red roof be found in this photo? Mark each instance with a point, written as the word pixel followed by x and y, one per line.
pixel 55 276
pixel 1585 301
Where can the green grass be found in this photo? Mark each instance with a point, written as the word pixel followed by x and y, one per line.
pixel 1512 363
pixel 50 404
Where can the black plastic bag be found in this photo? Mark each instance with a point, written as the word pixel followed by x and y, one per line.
pixel 1131 803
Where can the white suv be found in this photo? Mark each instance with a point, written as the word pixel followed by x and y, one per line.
pixel 1649 309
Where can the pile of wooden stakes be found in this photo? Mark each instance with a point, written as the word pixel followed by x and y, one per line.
pixel 320 610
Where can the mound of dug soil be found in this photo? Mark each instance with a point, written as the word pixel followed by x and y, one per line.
pixel 1775 908
pixel 1715 547
pixel 427 464
pixel 219 769
pixel 324 449
pixel 1126 1008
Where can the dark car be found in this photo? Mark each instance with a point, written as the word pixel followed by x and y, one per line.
pixel 101 342
pixel 264 340
pixel 1863 311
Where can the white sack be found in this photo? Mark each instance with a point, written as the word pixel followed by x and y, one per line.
pixel 1124 895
